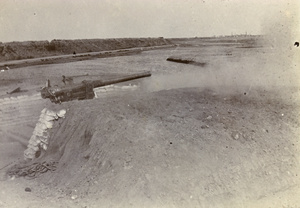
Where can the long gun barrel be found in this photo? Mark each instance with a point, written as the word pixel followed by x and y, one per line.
pixel 84 90
pixel 99 83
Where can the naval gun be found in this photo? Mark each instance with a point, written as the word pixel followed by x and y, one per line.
pixel 83 90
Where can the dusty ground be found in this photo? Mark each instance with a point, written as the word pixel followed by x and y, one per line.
pixel 222 135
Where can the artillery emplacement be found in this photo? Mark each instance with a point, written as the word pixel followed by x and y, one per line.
pixel 83 90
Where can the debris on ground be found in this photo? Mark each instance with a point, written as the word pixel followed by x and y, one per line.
pixel 18 89
pixel 5 69
pixel 209 117
pixel 235 135
pixel 204 126
pixel 32 171
pixel 28 189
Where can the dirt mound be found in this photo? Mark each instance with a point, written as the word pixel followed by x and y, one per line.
pixel 35 49
pixel 177 148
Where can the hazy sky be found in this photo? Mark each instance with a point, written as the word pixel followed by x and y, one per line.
pixel 77 19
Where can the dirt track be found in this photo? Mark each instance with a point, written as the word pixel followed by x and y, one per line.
pixel 190 136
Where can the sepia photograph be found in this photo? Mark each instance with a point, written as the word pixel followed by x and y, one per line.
pixel 149 103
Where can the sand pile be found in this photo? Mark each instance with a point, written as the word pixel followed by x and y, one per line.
pixel 40 137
